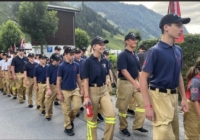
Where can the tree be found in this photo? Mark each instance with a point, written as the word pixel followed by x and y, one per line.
pixel 81 38
pixel 10 34
pixel 35 20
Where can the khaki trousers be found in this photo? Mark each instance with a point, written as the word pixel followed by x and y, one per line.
pixel 100 96
pixel 132 104
pixel 13 87
pixel 41 95
pixel 109 84
pixel 49 101
pixel 126 91
pixel 29 90
pixel 191 123
pixel 1 82
pixel 70 96
pixel 166 124
pixel 6 83
pixel 20 86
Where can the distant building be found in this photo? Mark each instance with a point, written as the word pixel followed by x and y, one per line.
pixel 65 35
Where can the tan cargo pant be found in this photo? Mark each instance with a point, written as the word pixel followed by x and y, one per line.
pixel 29 90
pixel 13 87
pixel 69 113
pixel 132 104
pixel 1 82
pixel 41 95
pixel 166 124
pixel 100 96
pixel 20 86
pixel 109 84
pixel 49 101
pixel 191 123
pixel 126 91
pixel 6 83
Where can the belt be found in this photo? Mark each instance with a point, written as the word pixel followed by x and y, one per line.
pixel 172 91
pixel 53 83
pixel 30 77
pixel 5 70
pixel 41 82
pixel 122 78
pixel 96 85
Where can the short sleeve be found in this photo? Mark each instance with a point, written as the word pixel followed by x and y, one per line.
pixel 13 62
pixel 60 72
pixel 194 89
pixel 35 72
pixel 25 67
pixel 121 61
pixel 149 61
pixel 86 69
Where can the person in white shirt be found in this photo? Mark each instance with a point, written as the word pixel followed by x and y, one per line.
pixel 6 81
pixel 1 80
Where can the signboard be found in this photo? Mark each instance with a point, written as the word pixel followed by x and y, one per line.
pixel 49 49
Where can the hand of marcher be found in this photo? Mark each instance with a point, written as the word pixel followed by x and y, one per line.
pixel 150 114
pixel 49 93
pixel 184 105
pixel 81 92
pixel 137 86
pixel 87 102
pixel 27 82
pixel 36 87
pixel 10 77
pixel 15 77
pixel 60 97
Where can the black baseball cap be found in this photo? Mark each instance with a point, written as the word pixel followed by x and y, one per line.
pixel 37 55
pixel 106 52
pixel 64 47
pixel 83 48
pixel 31 55
pixel 5 54
pixel 20 49
pixel 131 35
pixel 14 52
pixel 56 57
pixel 172 18
pixel 1 51
pixel 98 40
pixel 58 48
pixel 42 56
pixel 69 50
pixel 77 50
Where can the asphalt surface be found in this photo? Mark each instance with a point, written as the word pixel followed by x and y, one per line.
pixel 17 121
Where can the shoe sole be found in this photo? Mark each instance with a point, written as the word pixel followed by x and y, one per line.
pixel 124 134
pixel 68 134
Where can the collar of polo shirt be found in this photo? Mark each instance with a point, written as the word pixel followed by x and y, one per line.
pixel 93 57
pixel 165 45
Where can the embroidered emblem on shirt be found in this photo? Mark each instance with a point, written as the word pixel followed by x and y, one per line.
pixel 104 65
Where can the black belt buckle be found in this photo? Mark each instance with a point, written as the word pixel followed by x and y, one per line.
pixel 96 85
pixel 173 91
pixel 53 83
pixel 122 78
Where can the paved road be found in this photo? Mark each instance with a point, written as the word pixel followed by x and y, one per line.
pixel 17 121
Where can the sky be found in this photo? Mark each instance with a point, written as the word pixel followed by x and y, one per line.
pixel 188 9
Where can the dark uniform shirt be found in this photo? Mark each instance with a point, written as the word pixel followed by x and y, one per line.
pixel 29 68
pixel 84 57
pixel 40 73
pixel 128 60
pixel 52 73
pixel 81 62
pixel 68 72
pixel 19 63
pixel 164 64
pixel 95 70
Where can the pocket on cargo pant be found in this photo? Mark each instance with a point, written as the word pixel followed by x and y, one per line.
pixel 120 104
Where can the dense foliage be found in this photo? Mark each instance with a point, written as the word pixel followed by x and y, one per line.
pixel 81 38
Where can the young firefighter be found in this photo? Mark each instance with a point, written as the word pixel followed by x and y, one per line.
pixel 40 82
pixel 17 66
pixel 95 69
pixel 12 82
pixel 28 78
pixel 83 50
pixel 68 92
pixel 163 65
pixel 5 75
pixel 80 61
pixel 1 74
pixel 51 85
pixel 192 117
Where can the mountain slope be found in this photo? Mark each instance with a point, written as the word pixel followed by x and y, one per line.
pixel 127 17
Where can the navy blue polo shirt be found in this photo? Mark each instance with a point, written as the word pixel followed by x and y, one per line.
pixel 29 68
pixel 128 60
pixel 68 72
pixel 84 57
pixel 95 70
pixel 52 73
pixel 164 62
pixel 40 73
pixel 81 62
pixel 19 63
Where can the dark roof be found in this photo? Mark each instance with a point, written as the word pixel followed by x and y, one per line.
pixel 59 8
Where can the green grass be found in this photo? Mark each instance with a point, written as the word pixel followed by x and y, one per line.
pixel 115 43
